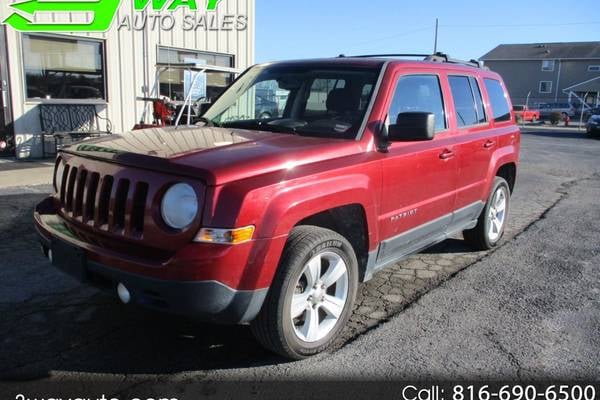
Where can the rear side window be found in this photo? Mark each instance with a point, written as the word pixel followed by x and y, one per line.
pixel 464 103
pixel 481 116
pixel 498 99
pixel 419 93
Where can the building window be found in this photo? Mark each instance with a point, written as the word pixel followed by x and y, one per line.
pixel 63 68
pixel 546 87
pixel 172 80
pixel 548 65
pixel 594 68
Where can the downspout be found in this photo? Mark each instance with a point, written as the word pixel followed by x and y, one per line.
pixel 145 62
pixel 558 81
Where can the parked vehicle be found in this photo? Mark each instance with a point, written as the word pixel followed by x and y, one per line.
pixel 591 111
pixel 592 127
pixel 265 108
pixel 275 223
pixel 546 110
pixel 524 113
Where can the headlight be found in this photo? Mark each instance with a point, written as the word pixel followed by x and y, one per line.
pixel 58 176
pixel 179 206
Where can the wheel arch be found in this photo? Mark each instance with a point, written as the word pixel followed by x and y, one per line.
pixel 508 171
pixel 349 221
pixel 321 203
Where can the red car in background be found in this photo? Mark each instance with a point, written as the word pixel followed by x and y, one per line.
pixel 524 113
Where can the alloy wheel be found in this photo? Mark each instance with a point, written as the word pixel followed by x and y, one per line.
pixel 497 215
pixel 320 297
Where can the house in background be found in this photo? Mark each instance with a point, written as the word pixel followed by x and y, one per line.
pixel 549 72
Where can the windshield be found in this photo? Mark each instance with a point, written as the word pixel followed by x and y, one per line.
pixel 305 100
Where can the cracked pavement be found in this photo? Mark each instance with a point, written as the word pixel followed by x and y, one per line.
pixel 529 310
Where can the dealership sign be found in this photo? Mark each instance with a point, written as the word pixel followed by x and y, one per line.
pixel 100 14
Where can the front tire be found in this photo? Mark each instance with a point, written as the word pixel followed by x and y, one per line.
pixel 312 295
pixel 492 222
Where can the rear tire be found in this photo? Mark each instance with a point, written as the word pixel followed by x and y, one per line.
pixel 492 222
pixel 312 295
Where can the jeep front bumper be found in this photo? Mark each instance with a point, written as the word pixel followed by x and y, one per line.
pixel 206 300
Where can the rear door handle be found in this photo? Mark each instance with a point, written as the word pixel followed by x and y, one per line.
pixel 489 144
pixel 447 154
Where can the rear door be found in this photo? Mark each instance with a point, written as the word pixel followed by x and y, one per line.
pixel 476 142
pixel 419 178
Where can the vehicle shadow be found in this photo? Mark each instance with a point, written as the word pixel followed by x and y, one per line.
pixel 98 335
pixel 450 246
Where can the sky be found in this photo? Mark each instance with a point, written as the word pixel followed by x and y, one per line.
pixel 287 29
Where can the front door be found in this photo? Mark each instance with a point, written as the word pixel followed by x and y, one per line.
pixel 6 123
pixel 419 178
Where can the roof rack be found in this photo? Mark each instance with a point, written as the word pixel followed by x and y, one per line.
pixel 384 55
pixel 441 57
pixel 437 57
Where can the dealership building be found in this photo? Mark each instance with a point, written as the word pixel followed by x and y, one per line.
pixel 119 71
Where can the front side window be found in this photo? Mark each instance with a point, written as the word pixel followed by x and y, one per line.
pixel 498 99
pixel 419 93
pixel 302 99
pixel 172 80
pixel 548 65
pixel 63 68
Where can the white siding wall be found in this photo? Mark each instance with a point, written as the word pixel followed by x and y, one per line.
pixel 130 66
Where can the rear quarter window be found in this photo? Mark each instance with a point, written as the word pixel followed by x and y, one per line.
pixel 498 100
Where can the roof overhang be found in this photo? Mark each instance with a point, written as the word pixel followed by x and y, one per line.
pixel 591 85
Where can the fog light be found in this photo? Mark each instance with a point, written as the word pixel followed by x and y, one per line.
pixel 225 236
pixel 123 293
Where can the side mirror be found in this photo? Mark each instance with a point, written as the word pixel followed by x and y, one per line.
pixel 412 126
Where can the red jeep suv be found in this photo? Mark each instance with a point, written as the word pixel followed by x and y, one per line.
pixel 274 220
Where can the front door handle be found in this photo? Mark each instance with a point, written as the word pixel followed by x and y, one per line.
pixel 489 144
pixel 447 154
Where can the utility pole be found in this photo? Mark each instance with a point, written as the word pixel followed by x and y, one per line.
pixel 436 35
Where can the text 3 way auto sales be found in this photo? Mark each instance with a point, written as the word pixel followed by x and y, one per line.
pixel 99 15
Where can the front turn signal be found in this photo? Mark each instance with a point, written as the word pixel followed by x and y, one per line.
pixel 225 236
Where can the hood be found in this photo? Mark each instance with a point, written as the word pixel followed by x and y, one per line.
pixel 216 155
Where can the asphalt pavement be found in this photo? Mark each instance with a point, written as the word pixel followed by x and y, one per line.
pixel 529 310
